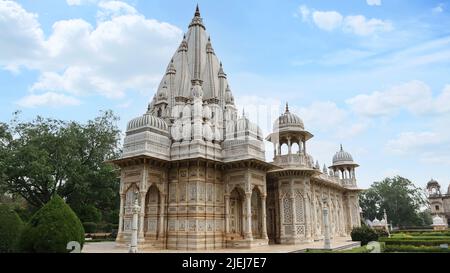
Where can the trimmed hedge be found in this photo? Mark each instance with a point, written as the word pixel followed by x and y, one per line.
pixel 90 227
pixel 422 242
pixel 51 228
pixel 410 248
pixel 364 234
pixel 10 228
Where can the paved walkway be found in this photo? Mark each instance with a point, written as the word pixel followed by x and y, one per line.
pixel 110 247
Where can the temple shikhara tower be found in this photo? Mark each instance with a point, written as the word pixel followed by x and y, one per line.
pixel 199 173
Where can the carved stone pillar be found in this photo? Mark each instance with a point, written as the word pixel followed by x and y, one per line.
pixel 141 214
pixel 308 220
pixel 281 210
pixel 327 241
pixel 289 145
pixel 248 201
pixel 161 231
pixel 264 214
pixel 121 213
pixel 227 213
pixel 293 207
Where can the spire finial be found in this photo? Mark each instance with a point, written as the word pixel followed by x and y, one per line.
pixel 287 107
pixel 197 11
pixel 243 112
pixel 341 147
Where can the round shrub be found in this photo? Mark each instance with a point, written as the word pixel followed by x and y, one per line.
pixel 10 228
pixel 364 234
pixel 382 233
pixel 90 227
pixel 51 228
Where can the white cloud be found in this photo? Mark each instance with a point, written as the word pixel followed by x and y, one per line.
pixel 79 2
pixel 439 8
pixel 414 96
pixel 110 9
pixel 82 59
pixel 323 115
pixel 410 142
pixel 304 13
pixel 49 99
pixel 428 147
pixel 327 20
pixel 373 2
pixel 359 25
pixel 355 24
pixel 21 37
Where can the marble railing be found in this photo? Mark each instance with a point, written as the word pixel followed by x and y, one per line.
pixel 292 160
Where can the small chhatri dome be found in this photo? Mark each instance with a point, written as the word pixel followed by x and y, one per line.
pixel 289 119
pixel 433 182
pixel 342 157
pixel 147 121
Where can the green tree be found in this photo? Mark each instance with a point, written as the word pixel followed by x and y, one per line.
pixel 10 228
pixel 46 156
pixel 51 228
pixel 401 199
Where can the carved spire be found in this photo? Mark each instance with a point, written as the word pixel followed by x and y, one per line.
pixel 221 73
pixel 341 148
pixel 287 107
pixel 183 45
pixel 229 99
pixel 197 20
pixel 171 68
pixel 209 48
pixel 325 170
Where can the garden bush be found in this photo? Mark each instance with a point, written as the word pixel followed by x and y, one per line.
pixel 364 234
pixel 90 227
pixel 411 248
pixel 414 242
pixel 382 233
pixel 10 228
pixel 51 228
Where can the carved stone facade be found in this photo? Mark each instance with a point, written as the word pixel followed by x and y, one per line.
pixel 439 202
pixel 199 172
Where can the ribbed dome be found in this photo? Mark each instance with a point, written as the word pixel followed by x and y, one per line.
pixel 147 120
pixel 342 157
pixel 288 119
pixel 243 124
pixel 432 182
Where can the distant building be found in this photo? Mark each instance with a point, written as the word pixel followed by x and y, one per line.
pixel 439 202
pixel 199 171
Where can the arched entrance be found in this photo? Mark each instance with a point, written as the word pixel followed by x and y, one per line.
pixel 236 201
pixel 256 214
pixel 152 212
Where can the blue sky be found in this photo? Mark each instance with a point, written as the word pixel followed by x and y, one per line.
pixel 373 75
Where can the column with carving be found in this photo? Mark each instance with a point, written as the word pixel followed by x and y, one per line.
pixel 227 213
pixel 248 201
pixel 293 209
pixel 142 195
pixel 281 210
pixel 121 213
pixel 264 215
pixel 161 231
